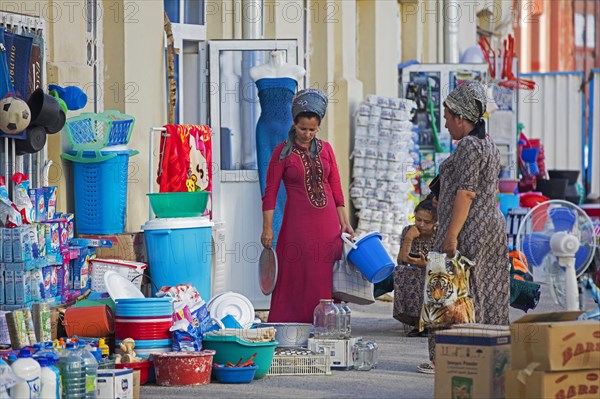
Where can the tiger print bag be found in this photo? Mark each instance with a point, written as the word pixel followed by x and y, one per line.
pixel 447 297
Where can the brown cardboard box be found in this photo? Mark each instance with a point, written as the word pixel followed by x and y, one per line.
pixel 556 341
pixel 581 384
pixel 136 384
pixel 470 363
pixel 125 246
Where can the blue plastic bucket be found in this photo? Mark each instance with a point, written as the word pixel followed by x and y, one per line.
pixel 370 257
pixel 100 187
pixel 180 252
pixel 507 202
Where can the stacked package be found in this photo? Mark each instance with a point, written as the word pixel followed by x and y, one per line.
pixel 554 355
pixel 385 154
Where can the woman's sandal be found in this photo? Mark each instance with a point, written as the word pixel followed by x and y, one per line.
pixel 426 368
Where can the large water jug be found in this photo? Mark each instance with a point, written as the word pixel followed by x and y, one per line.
pixel 325 317
pixel 72 371
pixel 91 369
pixel 31 372
pixel 51 387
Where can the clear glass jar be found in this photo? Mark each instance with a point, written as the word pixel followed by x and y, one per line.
pixel 341 322
pixel 325 320
pixel 363 354
pixel 347 319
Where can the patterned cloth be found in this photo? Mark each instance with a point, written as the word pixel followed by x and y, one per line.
pixel 468 100
pixel 409 282
pixel 475 166
pixel 307 100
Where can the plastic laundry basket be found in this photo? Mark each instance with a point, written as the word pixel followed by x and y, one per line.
pixel 179 252
pixel 100 185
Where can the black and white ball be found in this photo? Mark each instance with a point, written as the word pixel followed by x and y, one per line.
pixel 14 115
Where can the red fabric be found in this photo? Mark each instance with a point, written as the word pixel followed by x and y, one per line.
pixel 174 167
pixel 309 240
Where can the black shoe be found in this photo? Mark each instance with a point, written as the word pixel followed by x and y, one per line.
pixel 413 333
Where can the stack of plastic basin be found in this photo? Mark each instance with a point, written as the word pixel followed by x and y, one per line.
pixel 147 321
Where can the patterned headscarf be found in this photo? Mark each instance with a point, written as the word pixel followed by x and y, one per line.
pixel 469 100
pixel 307 100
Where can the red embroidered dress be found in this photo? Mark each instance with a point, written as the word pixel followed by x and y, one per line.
pixel 309 240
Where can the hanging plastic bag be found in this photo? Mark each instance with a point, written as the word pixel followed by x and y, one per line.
pixel 447 298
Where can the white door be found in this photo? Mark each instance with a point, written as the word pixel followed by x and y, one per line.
pixel 237 204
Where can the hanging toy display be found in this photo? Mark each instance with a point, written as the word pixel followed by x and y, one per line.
pixel 15 115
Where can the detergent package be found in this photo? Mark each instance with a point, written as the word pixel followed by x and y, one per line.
pixel 21 197
pixel 9 214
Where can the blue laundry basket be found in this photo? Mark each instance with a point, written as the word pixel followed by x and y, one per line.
pixel 100 185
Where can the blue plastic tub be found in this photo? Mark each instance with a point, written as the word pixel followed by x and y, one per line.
pixel 234 375
pixel 100 186
pixel 180 252
pixel 370 257
pixel 144 307
pixel 507 202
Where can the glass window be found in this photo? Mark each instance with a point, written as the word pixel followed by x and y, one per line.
pixel 172 9
pixel 193 12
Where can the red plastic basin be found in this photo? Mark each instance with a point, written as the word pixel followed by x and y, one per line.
pixel 143 331
pixel 144 368
pixel 183 368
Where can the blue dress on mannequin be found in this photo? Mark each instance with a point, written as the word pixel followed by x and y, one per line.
pixel 275 96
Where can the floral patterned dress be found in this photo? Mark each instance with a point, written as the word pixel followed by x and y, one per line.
pixel 475 166
pixel 409 282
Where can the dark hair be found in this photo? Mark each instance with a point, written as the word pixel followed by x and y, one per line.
pixel 427 205
pixel 307 115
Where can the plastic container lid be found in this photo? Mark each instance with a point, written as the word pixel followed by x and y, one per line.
pixel 177 223
pixel 24 353
pixel 119 287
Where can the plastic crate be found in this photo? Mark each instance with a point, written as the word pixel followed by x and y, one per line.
pixel 128 269
pixel 91 131
pixel 299 361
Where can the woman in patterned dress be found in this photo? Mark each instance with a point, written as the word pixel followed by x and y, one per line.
pixel 469 220
pixel 409 275
pixel 314 216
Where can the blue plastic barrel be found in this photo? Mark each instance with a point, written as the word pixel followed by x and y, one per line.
pixel 100 187
pixel 179 252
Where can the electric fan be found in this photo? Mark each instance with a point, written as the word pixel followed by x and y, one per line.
pixel 557 238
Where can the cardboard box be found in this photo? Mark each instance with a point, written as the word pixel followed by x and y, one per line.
pixel 115 383
pixel 125 246
pixel 137 375
pixel 557 341
pixel 581 384
pixel 470 363
pixel 339 351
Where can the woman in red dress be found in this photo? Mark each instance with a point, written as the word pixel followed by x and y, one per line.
pixel 314 216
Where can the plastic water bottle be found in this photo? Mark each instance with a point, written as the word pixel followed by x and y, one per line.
pixel 29 370
pixel 51 384
pixel 91 370
pixel 341 322
pixel 72 372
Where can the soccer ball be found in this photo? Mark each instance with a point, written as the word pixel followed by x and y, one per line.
pixel 14 115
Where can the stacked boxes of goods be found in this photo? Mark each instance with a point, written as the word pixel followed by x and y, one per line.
pixel 554 355
pixel 384 173
pixel 470 361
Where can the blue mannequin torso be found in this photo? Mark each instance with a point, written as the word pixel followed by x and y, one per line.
pixel 275 96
